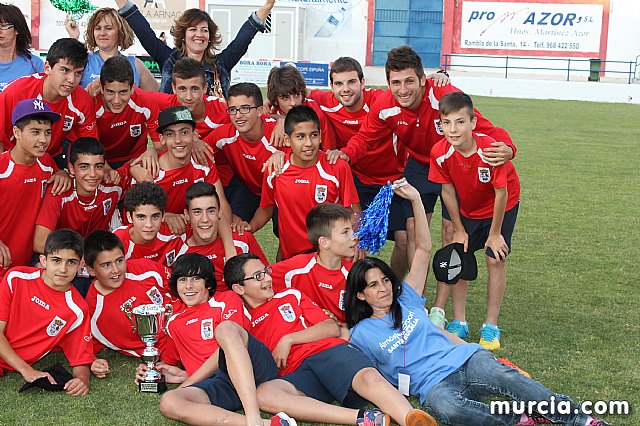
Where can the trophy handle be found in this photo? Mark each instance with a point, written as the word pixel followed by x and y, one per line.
pixel 127 310
pixel 168 313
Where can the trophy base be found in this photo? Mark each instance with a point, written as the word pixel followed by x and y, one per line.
pixel 152 387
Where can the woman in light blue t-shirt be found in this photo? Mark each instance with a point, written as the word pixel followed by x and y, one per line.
pixel 16 60
pixel 451 378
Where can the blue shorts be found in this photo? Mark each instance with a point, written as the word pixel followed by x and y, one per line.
pixel 366 194
pixel 219 387
pixel 327 375
pixel 478 230
pixel 417 175
pixel 243 202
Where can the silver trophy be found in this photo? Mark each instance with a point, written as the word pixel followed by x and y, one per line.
pixel 148 321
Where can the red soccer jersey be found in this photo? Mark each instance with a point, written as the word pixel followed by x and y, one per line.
pixel 175 182
pixel 164 249
pixel 193 330
pixel 245 243
pixel 22 189
pixel 286 313
pixel 125 135
pixel 40 318
pixel 298 189
pixel 327 132
pixel 84 214
pixel 77 111
pixel 324 286
pixel 383 162
pixel 245 158
pixel 417 130
pixel 473 178
pixel 145 282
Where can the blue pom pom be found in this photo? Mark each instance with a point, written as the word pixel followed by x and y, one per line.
pixel 374 222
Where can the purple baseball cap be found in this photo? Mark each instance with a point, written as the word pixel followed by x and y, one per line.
pixel 30 107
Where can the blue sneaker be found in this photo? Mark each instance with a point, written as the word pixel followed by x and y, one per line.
pixel 459 328
pixel 490 336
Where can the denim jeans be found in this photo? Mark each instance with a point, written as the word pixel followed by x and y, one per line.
pixel 459 398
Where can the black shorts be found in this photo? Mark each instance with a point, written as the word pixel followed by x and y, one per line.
pixel 243 202
pixel 327 375
pixel 219 387
pixel 478 230
pixel 417 175
pixel 366 194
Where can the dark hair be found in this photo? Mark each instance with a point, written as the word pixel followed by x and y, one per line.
pixel 126 36
pixel 25 121
pixel 454 102
pixel 191 18
pixel 234 268
pixel 10 14
pixel 357 309
pixel 322 218
pixel 286 80
pixel 63 239
pixel 70 50
pixel 250 90
pixel 99 241
pixel 145 194
pixel 402 58
pixel 88 146
pixel 202 189
pixel 300 114
pixel 346 64
pixel 116 68
pixel 186 68
pixel 193 265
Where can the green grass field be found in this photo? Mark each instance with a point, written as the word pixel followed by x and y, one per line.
pixel 571 314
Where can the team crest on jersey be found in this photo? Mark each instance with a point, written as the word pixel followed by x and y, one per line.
pixel 287 312
pixel 438 126
pixel 106 206
pixel 206 329
pixel 341 302
pixel 135 130
pixel 155 296
pixel 321 193
pixel 68 123
pixel 55 326
pixel 484 175
pixel 171 257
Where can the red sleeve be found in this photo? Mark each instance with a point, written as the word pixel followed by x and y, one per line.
pixel 327 132
pixel 212 177
pixel 267 197
pixel 368 136
pixel 438 173
pixel 89 127
pixel 6 296
pixel 254 247
pixel 213 137
pixel 322 97
pixel 77 345
pixel 278 270
pixel 348 195
pixel 50 211
pixel 6 130
pixel 168 350
pixel 311 312
pixel 234 309
pixel 152 122
pixel 499 177
pixel 97 346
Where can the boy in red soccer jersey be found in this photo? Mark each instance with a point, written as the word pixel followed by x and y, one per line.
pixel 177 169
pixel 211 233
pixel 25 172
pixel 316 367
pixel 307 179
pixel 148 236
pixel 245 143
pixel 126 117
pixel 223 362
pixel 40 310
pixel 286 89
pixel 485 215
pixel 117 281
pixel 58 88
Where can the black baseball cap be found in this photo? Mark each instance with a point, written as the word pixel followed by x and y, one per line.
pixel 451 264
pixel 174 115
pixel 33 106
pixel 59 374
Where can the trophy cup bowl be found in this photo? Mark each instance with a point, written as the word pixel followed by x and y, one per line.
pixel 147 321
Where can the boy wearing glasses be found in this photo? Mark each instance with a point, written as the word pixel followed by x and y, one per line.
pixel 245 143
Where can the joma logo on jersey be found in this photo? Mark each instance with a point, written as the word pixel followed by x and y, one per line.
pixel 119 123
pixel 351 122
pixel 325 285
pixel 180 182
pixel 130 301
pixel 40 302
pixel 403 123
pixel 259 320
pixel 249 157
pixel 301 181
pixel 229 314
pixel 30 180
pixel 191 321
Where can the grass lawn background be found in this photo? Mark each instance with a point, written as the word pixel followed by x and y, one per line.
pixel 571 312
